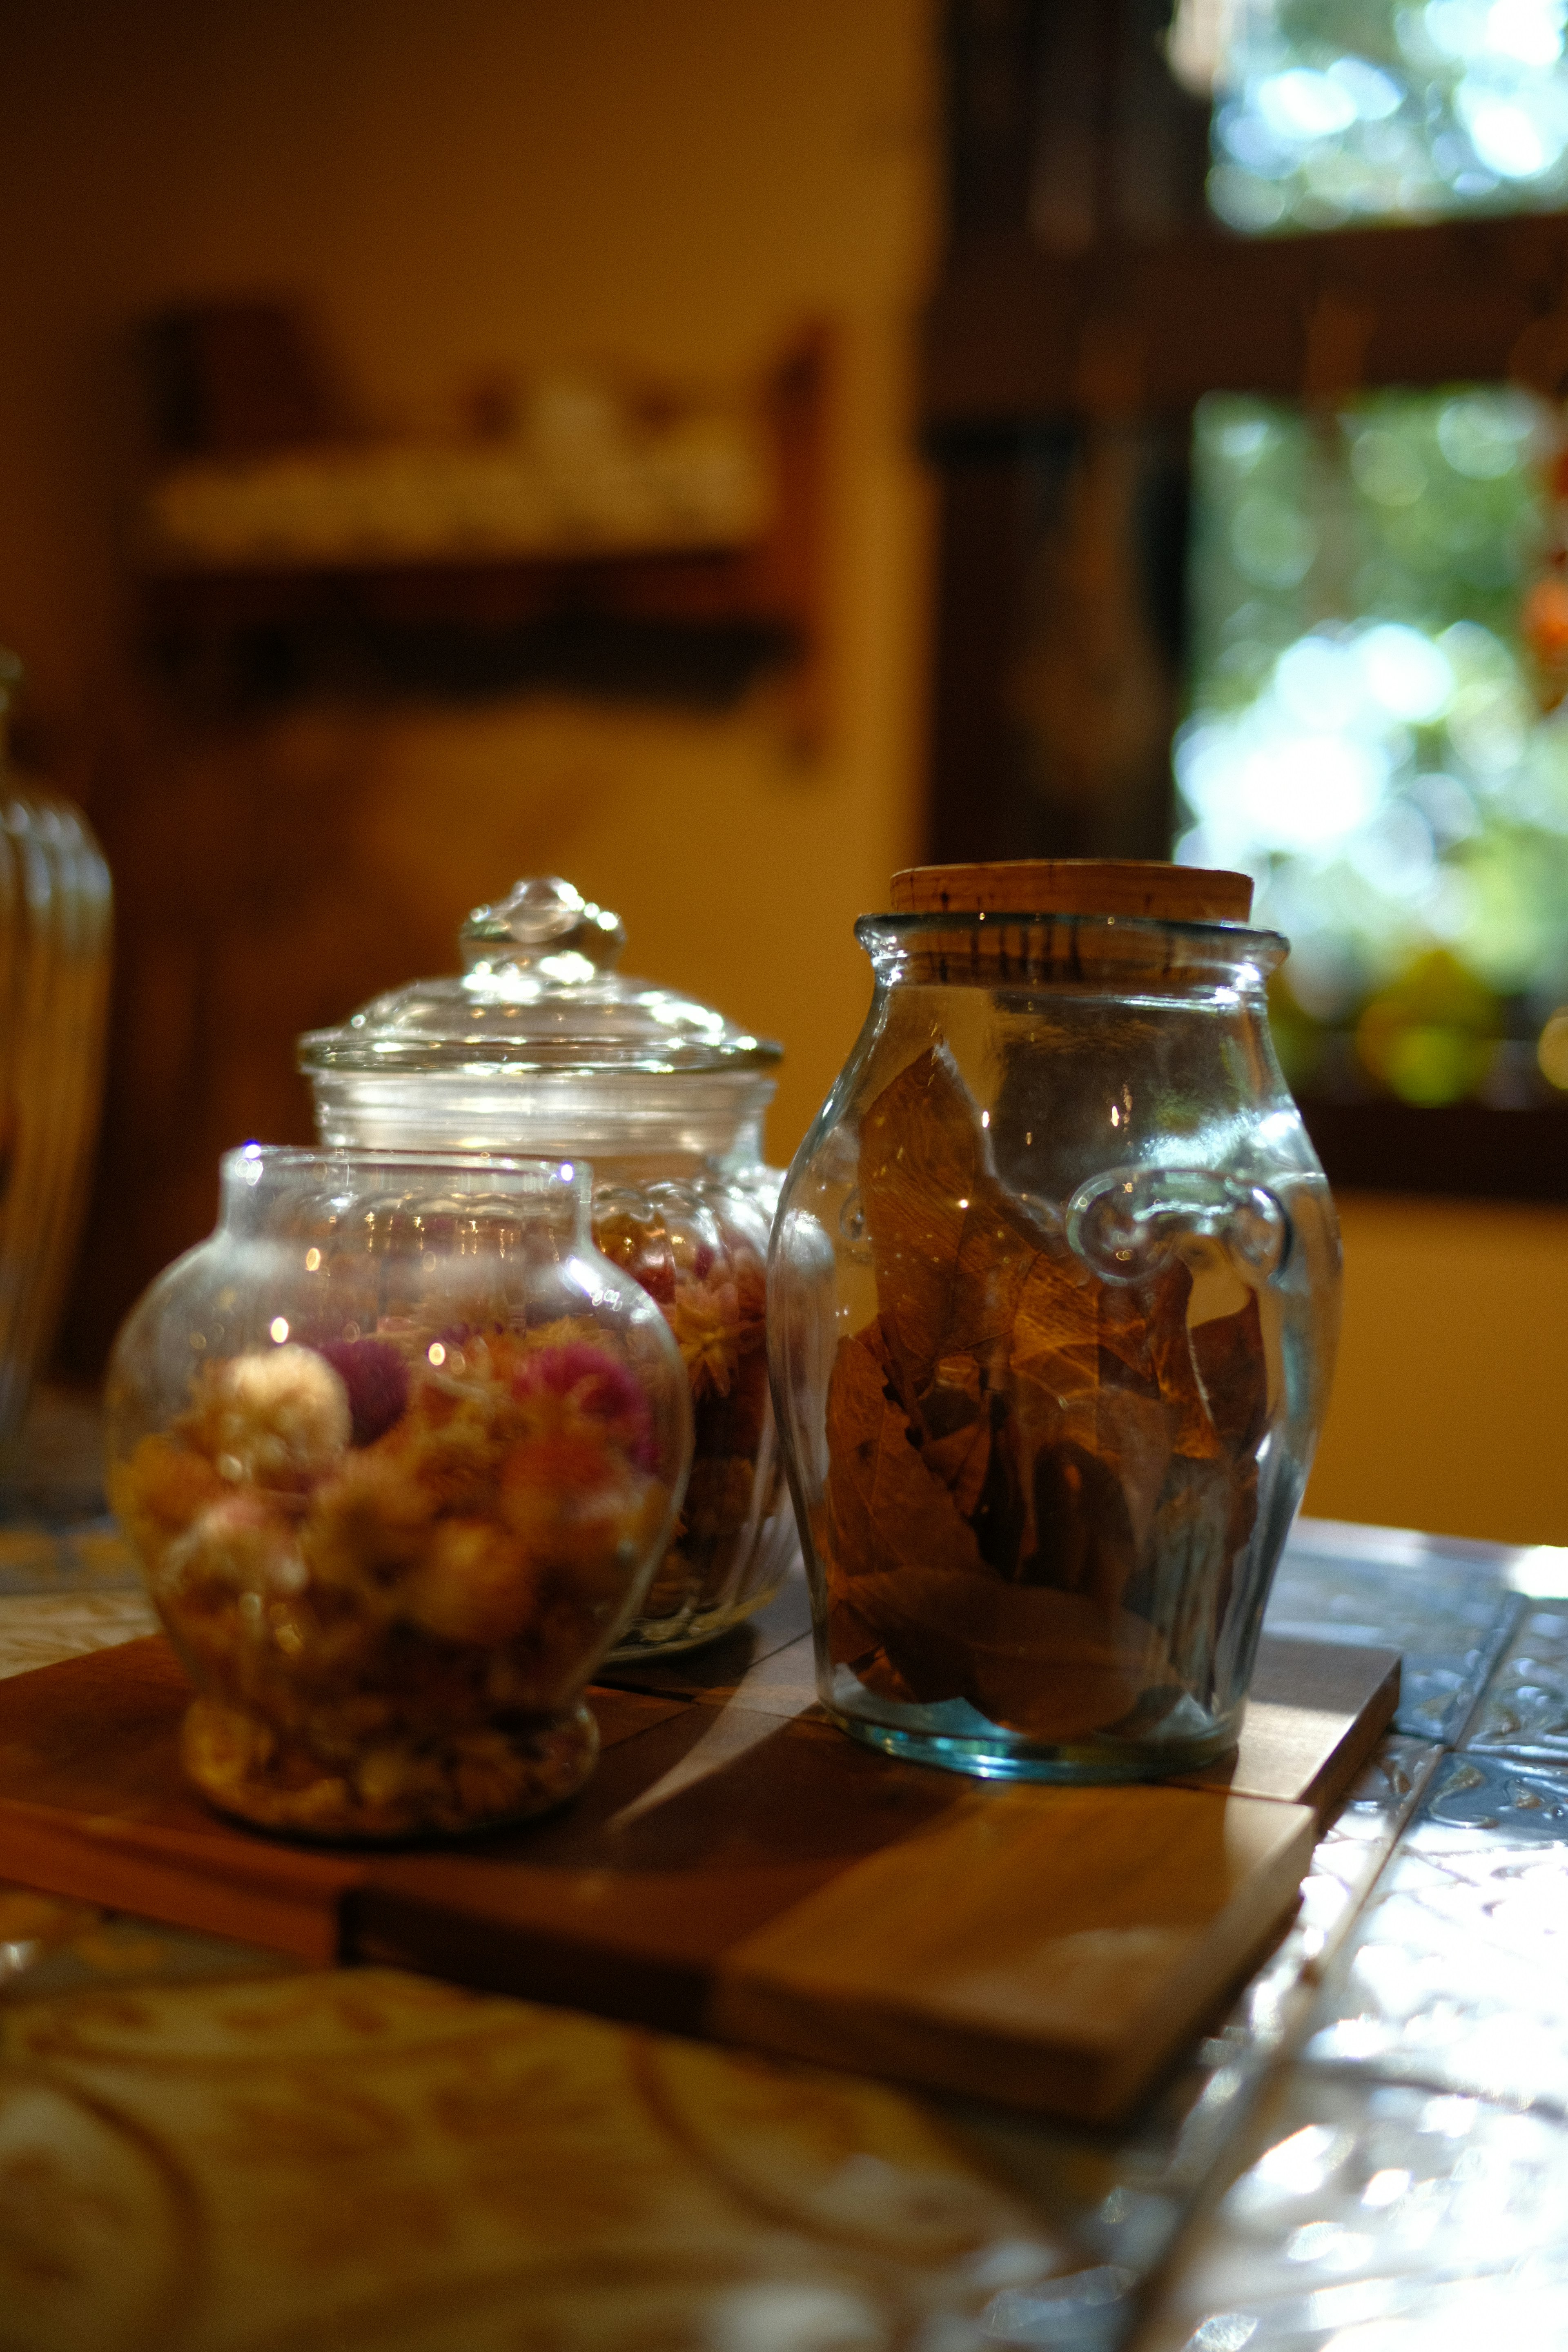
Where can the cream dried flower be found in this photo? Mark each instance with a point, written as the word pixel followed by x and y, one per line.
pixel 711 1332
pixel 278 1416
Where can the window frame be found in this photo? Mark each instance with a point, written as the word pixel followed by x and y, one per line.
pixel 1076 329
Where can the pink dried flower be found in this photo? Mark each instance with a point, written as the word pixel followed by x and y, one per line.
pixel 376 1378
pixel 600 1388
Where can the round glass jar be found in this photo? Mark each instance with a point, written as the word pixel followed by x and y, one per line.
pixel 399 1452
pixel 1053 1298
pixel 55 906
pixel 539 1045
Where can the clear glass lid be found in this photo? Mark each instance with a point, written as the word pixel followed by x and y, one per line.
pixel 540 992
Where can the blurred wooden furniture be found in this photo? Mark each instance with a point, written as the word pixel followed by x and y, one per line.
pixel 274 865
pixel 594 604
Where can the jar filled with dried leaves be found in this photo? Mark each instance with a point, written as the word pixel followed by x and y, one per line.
pixel 1053 1303
pixel 540 1044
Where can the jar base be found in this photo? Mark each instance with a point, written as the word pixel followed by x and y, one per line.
pixel 643 1641
pixel 1081 1764
pixel 475 1780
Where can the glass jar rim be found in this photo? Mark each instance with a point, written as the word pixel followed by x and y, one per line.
pixel 1045 947
pixel 541 1175
pixel 496 1055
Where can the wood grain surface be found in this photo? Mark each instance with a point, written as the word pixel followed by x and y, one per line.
pixel 739 1868
pixel 1076 886
pixel 93 1805
pixel 1049 1947
pixel 1317 1711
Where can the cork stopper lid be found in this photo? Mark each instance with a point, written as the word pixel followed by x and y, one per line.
pixel 1076 886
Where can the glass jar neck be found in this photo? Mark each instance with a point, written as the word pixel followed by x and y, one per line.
pixel 1114 955
pixel 660 1126
pixel 273 1192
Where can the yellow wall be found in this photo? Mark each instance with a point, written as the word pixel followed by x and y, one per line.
pixel 512 185
pixel 1450 1403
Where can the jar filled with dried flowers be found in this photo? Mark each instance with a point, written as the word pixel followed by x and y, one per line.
pixel 540 1045
pixel 400 1451
pixel 1053 1303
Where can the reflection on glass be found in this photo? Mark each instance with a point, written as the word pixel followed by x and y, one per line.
pixel 1371 734
pixel 1340 111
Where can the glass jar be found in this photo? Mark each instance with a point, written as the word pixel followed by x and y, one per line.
pixel 399 1452
pixel 55 920
pixel 1053 1297
pixel 540 1045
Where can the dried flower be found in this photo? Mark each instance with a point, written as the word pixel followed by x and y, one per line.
pixel 276 1415
pixel 353 1608
pixel 376 1375
pixel 712 1333
pixel 596 1385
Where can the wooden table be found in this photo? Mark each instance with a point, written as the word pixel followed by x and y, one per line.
pixel 202 2146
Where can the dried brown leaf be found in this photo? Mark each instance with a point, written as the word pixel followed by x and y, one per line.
pixel 960 1460
pixel 1205 1516
pixel 885 1508
pixel 1228 1353
pixel 1127 1434
pixel 1051 1664
pixel 1056 1334
pixel 951 1247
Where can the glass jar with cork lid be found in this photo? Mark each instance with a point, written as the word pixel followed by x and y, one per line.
pixel 541 1047
pixel 1053 1302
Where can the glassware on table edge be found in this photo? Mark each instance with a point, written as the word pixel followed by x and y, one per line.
pixel 540 1047
pixel 56 904
pixel 399 1451
pixel 1052 1299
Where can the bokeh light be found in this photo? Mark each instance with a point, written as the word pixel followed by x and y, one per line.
pixel 1365 734
pixel 1551 1049
pixel 1390 110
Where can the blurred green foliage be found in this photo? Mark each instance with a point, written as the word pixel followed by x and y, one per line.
pixel 1365 733
pixel 1339 110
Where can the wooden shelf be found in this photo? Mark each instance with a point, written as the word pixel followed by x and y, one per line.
pixel 692 624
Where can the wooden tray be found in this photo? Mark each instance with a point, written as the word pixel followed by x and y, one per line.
pixel 739 1868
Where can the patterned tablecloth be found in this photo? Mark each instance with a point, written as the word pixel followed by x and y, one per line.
pixel 202 2149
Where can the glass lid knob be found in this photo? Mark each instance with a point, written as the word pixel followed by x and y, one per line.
pixel 543 921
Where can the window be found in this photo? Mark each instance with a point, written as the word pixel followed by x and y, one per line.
pixel 1375 662
pixel 1272 300
pixel 1333 111
pixel 1366 732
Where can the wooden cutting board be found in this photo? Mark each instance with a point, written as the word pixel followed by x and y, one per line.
pixel 1316 1712
pixel 738 1868
pixel 93 1804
